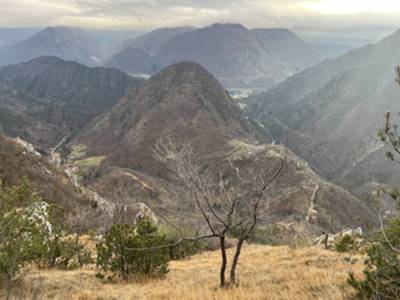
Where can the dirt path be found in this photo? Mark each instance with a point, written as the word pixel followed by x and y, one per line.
pixel 311 210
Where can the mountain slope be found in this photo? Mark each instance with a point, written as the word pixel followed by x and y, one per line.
pixel 185 104
pixel 334 111
pixel 50 94
pixel 19 160
pixel 137 55
pixel 63 42
pixel 237 56
pixel 184 94
pixel 152 41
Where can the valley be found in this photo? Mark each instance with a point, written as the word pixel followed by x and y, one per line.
pixel 216 161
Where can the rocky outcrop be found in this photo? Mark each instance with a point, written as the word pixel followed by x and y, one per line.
pixel 345 240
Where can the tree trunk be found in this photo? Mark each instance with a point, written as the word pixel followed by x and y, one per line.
pixel 326 241
pixel 224 261
pixel 235 261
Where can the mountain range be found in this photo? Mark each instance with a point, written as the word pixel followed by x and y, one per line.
pixel 103 125
pixel 237 56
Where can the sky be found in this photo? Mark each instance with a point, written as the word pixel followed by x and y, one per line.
pixel 313 19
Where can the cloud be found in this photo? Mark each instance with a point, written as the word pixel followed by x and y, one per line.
pixel 311 18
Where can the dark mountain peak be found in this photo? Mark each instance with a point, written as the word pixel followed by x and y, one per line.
pixel 183 101
pixel 68 43
pixel 51 33
pixel 187 71
pixel 47 60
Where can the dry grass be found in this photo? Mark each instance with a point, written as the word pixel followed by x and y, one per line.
pixel 93 161
pixel 264 273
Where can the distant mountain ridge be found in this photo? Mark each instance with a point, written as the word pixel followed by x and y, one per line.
pixel 333 112
pixel 64 42
pixel 237 56
pixel 47 98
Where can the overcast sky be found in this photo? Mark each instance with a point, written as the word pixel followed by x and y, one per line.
pixel 347 19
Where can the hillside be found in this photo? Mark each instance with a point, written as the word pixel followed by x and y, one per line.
pixel 19 160
pixel 263 275
pixel 237 56
pixel 64 42
pixel 47 98
pixel 150 42
pixel 334 111
pixel 186 104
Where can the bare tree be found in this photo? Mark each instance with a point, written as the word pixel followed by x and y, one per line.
pixel 218 202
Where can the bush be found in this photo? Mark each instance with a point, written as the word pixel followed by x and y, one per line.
pixel 346 244
pixel 65 252
pixel 129 250
pixel 23 228
pixel 382 268
pixel 65 249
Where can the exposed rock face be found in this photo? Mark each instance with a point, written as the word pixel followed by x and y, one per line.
pixel 47 98
pixel 237 56
pixel 64 42
pixel 334 111
pixel 188 105
pixel 345 240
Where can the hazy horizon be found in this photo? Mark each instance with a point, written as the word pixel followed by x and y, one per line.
pixel 315 20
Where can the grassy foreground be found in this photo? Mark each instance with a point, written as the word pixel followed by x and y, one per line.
pixel 264 273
